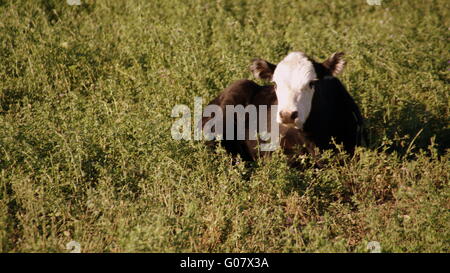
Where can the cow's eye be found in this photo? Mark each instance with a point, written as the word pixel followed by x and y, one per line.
pixel 275 86
pixel 311 84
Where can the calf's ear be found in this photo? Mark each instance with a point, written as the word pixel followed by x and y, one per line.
pixel 262 69
pixel 335 63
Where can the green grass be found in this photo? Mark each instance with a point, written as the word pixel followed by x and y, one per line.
pixel 86 153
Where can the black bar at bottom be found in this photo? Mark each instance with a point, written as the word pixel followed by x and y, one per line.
pixel 221 262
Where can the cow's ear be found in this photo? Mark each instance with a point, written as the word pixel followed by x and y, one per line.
pixel 335 63
pixel 262 69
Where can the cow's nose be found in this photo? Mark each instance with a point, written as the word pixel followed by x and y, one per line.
pixel 288 117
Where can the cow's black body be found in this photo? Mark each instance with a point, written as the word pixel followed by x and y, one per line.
pixel 334 114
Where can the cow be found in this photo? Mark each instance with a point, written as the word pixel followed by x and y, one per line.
pixel 314 110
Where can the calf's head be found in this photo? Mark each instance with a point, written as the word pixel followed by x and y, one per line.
pixel 294 78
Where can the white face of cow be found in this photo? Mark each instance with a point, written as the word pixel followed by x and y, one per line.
pixel 293 77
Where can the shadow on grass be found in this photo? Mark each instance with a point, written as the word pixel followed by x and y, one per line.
pixel 412 128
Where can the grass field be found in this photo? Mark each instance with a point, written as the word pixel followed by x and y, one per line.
pixel 86 154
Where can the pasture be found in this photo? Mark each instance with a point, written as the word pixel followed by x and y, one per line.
pixel 86 153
